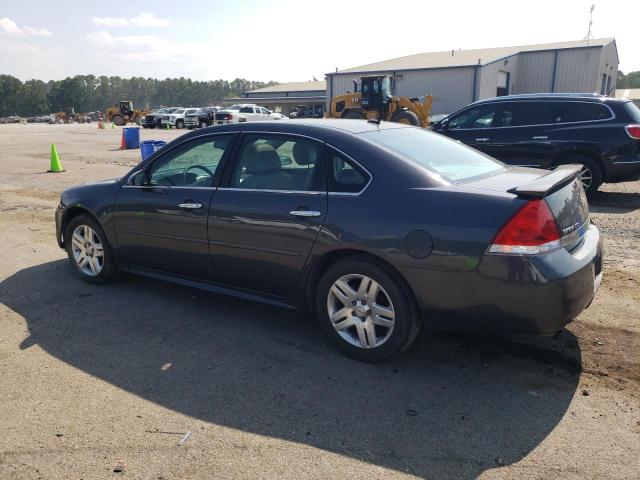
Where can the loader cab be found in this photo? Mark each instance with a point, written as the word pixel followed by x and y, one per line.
pixel 376 92
pixel 126 108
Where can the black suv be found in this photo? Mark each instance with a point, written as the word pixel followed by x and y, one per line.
pixel 205 117
pixel 549 129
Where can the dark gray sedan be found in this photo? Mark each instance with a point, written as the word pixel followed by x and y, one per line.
pixel 377 228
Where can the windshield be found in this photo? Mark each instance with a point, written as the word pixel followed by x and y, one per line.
pixel 448 158
pixel 633 111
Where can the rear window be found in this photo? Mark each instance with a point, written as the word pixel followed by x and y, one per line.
pixel 633 111
pixel 564 112
pixel 448 158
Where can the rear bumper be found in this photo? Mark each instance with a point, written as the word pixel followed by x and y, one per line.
pixel 516 293
pixel 625 168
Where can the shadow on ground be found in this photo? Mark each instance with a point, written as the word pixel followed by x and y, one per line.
pixel 452 407
pixel 614 202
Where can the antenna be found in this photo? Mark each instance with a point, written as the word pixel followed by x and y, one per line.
pixel 589 34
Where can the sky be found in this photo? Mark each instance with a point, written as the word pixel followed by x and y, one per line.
pixel 283 40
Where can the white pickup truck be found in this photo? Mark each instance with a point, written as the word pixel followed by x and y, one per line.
pixel 242 112
pixel 176 119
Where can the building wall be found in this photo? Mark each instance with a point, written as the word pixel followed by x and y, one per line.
pixel 488 76
pixel 535 72
pixel 578 70
pixel 609 65
pixel 305 93
pixel 452 88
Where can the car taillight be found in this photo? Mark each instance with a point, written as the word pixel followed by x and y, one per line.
pixel 532 230
pixel 633 131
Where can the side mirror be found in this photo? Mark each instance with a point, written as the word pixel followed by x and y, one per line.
pixel 444 124
pixel 139 179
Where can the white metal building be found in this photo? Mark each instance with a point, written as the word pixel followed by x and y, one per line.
pixel 459 77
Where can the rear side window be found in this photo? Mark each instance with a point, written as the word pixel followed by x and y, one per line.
pixel 246 110
pixel 520 114
pixel 564 112
pixel 344 175
pixel 633 111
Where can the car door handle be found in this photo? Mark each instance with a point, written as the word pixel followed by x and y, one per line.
pixel 190 205
pixel 541 137
pixel 484 139
pixel 305 213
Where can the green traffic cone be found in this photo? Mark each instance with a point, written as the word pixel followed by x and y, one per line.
pixel 56 166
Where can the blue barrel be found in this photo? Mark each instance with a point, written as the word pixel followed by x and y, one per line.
pixel 147 147
pixel 132 137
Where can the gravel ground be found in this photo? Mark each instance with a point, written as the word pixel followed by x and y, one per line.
pixel 147 380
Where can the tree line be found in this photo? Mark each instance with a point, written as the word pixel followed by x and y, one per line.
pixel 88 93
pixel 630 80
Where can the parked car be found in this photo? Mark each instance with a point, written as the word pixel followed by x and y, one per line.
pixel 277 116
pixel 204 117
pixel 242 112
pixel 374 227
pixel 154 119
pixel 176 118
pixel 546 130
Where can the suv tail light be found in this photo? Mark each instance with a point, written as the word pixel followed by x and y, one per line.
pixel 530 231
pixel 633 131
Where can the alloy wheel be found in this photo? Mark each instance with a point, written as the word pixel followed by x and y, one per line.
pixel 360 311
pixel 88 251
pixel 586 177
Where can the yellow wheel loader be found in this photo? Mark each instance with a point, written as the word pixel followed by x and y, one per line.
pixel 124 113
pixel 375 101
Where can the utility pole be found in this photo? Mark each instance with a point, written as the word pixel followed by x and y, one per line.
pixel 589 36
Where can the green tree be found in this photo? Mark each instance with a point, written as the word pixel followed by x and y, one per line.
pixel 32 98
pixel 9 88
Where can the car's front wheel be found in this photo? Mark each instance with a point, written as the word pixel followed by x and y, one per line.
pixel 366 309
pixel 180 124
pixel 203 125
pixel 89 250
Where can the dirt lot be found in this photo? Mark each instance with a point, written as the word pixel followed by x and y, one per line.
pixel 97 378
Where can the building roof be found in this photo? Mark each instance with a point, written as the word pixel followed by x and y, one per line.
pixel 630 93
pixel 459 58
pixel 292 87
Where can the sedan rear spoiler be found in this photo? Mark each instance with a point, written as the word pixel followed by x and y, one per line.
pixel 548 183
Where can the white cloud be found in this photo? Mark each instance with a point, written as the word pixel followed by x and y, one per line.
pixel 142 20
pixel 9 27
pixel 38 32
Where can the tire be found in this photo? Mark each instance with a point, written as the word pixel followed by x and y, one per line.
pixel 180 124
pixel 203 125
pixel 389 338
pixel 102 271
pixel 353 114
pixel 150 126
pixel 119 120
pixel 190 127
pixel 407 117
pixel 590 171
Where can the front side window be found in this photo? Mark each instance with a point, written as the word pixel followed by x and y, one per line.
pixel 277 162
pixel 435 153
pixel 264 110
pixel 344 175
pixel 475 117
pixel 564 112
pixel 191 165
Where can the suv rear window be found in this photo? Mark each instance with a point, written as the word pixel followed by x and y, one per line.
pixel 447 158
pixel 633 111
pixel 564 112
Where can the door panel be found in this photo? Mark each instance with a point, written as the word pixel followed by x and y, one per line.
pixel 155 232
pixel 257 244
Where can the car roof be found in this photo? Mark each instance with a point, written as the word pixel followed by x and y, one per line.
pixel 590 97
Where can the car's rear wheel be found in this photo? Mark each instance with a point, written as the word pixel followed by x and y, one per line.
pixel 590 173
pixel 366 309
pixel 89 250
